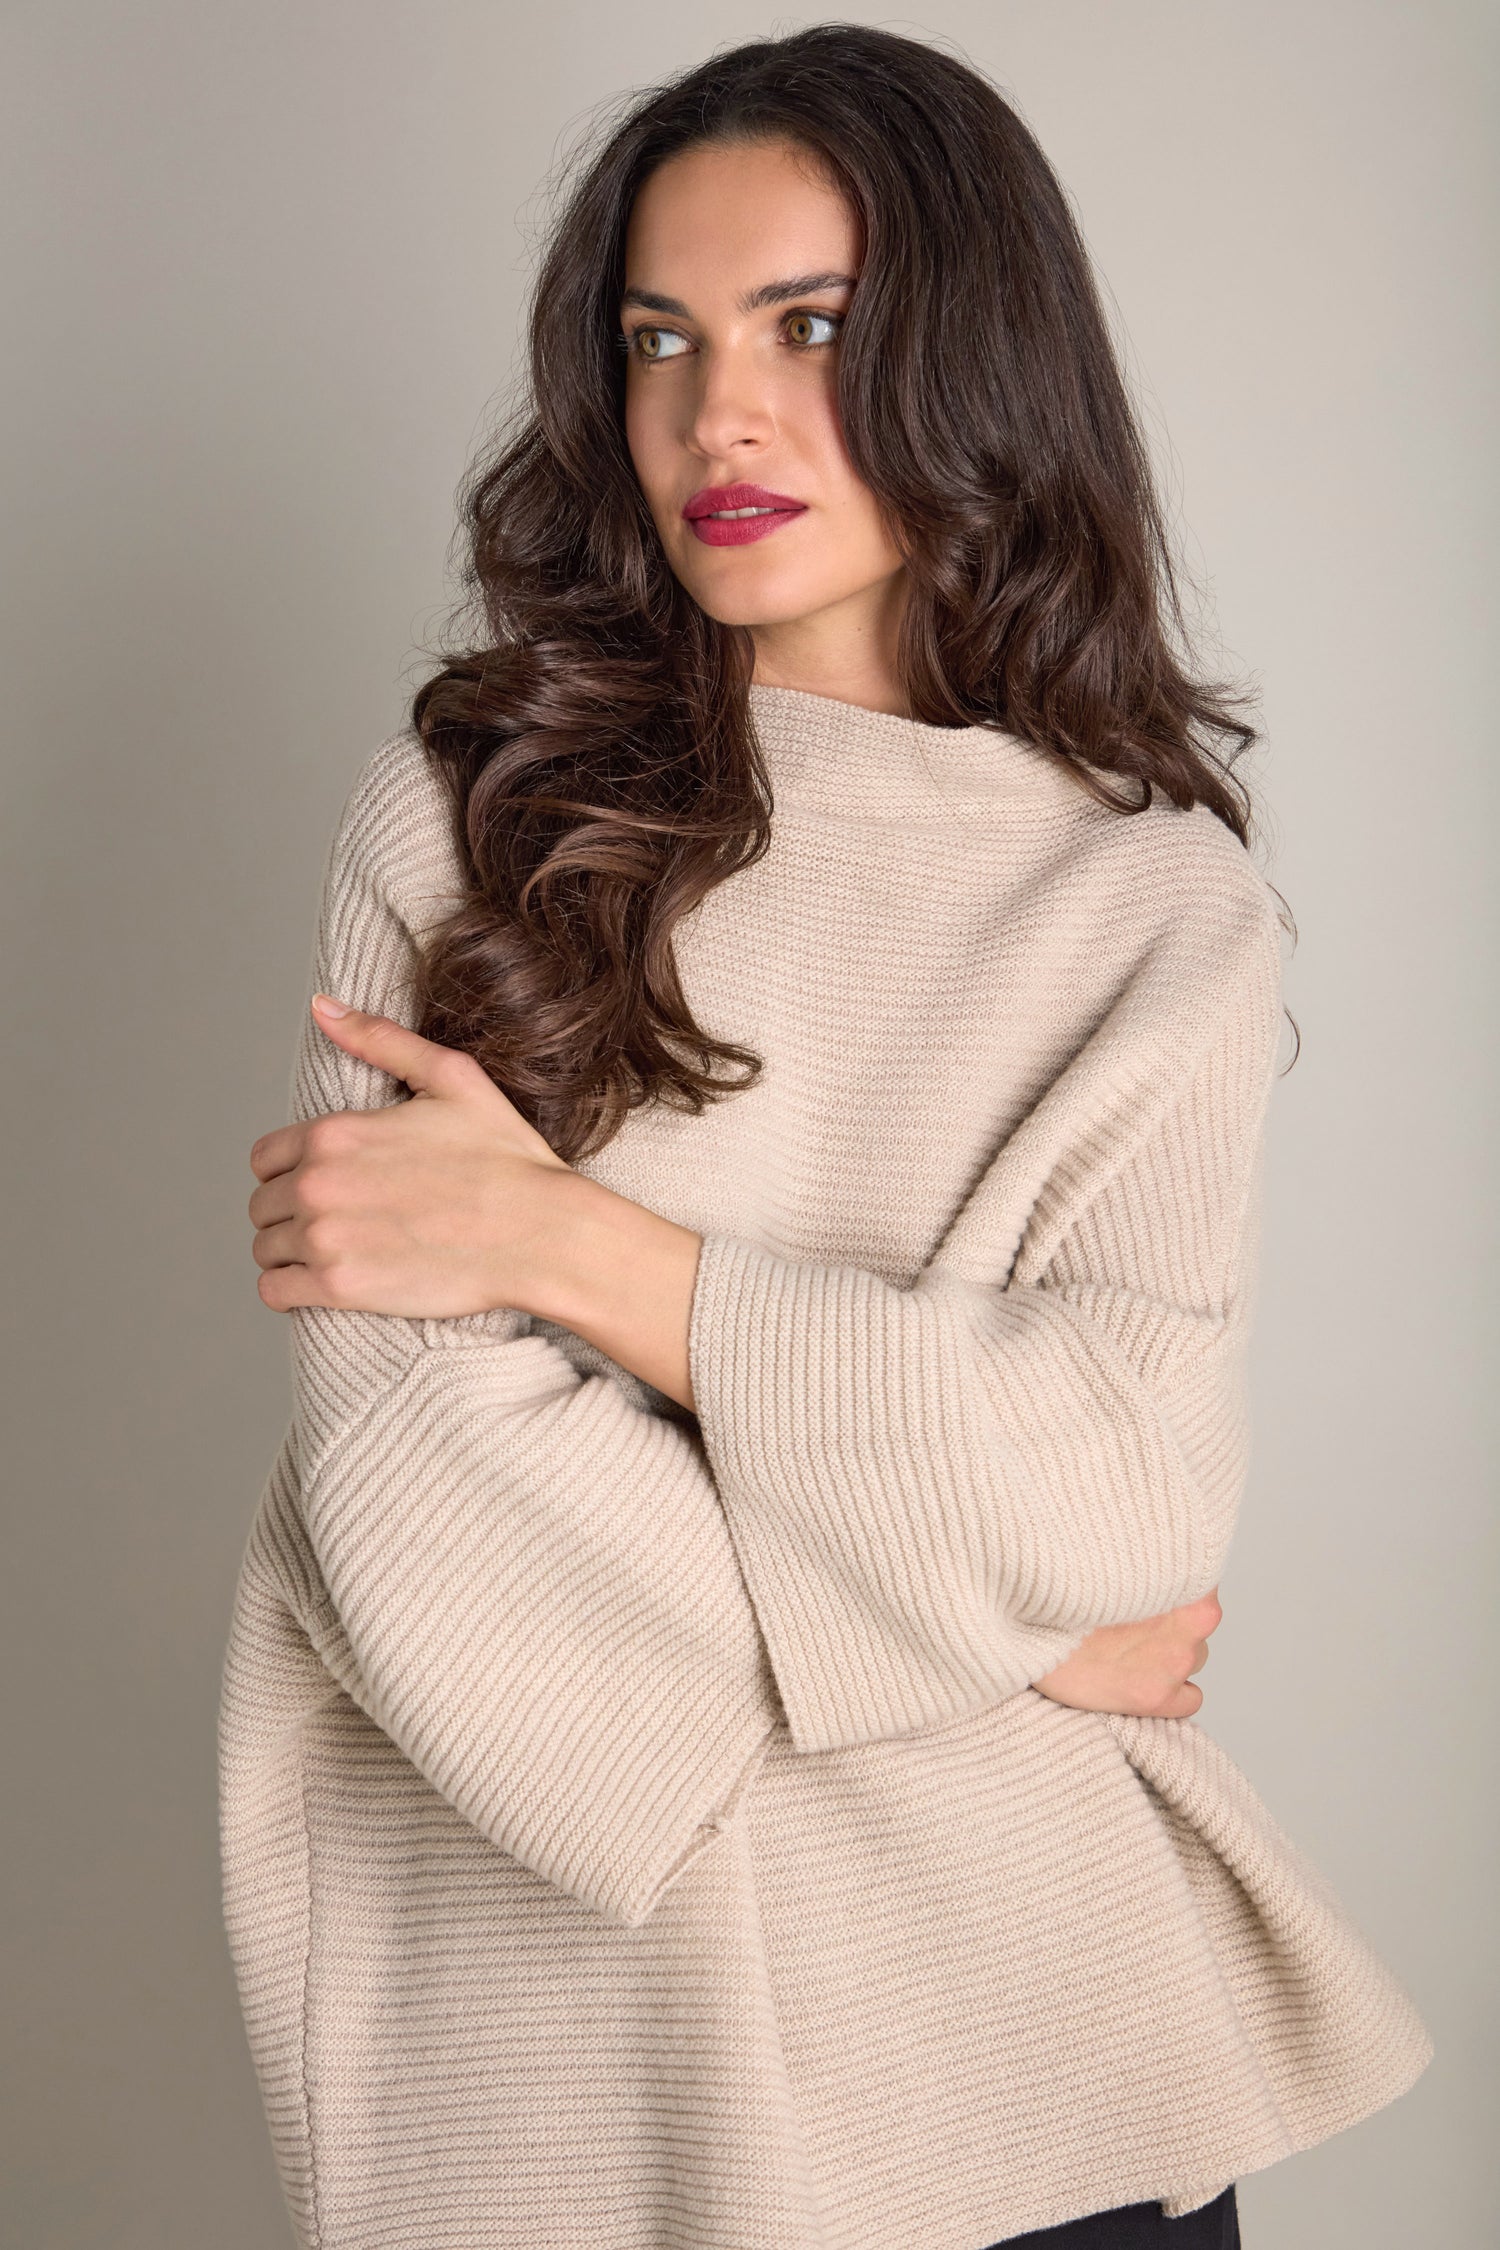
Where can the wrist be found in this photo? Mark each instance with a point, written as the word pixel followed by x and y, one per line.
pixel 621 1277
pixel 550 1279
pixel 592 1250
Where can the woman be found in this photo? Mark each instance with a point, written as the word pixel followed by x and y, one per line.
pixel 707 1746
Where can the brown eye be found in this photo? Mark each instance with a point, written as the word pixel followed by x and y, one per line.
pixel 656 344
pixel 800 326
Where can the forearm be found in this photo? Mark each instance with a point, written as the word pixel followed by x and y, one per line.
pixel 620 1276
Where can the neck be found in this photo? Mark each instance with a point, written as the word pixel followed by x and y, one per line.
pixel 847 651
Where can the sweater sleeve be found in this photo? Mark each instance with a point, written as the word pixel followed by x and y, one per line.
pixel 526 1580
pixel 936 1491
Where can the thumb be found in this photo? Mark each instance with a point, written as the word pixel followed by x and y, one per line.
pixel 420 1063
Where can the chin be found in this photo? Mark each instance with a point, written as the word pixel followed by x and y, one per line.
pixel 755 615
pixel 760 605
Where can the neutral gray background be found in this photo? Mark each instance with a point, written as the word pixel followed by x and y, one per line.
pixel 265 264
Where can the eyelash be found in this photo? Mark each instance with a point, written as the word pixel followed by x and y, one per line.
pixel 629 344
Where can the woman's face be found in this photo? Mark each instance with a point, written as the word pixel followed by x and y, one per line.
pixel 739 261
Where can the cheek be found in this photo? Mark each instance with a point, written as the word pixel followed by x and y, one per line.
pixel 809 412
pixel 647 441
pixel 852 504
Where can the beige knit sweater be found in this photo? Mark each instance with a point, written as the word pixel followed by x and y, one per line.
pixel 638 1828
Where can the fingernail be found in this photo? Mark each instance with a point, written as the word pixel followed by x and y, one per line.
pixel 328 1007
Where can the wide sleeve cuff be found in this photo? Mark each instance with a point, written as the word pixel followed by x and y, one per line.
pixel 530 1588
pixel 864 1496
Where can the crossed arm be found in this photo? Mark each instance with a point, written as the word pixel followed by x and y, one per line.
pixel 450 1204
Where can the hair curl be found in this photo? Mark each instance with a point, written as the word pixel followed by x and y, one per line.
pixel 595 731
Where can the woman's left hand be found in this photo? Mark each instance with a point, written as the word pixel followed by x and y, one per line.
pixel 445 1204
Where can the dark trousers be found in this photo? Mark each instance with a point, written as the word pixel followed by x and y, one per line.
pixel 1141 2226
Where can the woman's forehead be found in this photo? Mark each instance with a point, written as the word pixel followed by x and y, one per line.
pixel 737 218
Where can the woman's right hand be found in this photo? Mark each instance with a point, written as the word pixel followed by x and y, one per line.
pixel 1141 1668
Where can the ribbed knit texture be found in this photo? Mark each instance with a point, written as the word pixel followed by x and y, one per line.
pixel 639 1829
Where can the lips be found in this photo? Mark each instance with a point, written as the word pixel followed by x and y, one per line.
pixel 714 513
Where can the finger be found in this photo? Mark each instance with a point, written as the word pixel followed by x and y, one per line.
pixel 1203 1614
pixel 279 1245
pixel 422 1064
pixel 277 1152
pixel 275 1199
pixel 283 1288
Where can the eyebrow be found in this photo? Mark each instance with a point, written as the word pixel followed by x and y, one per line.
pixel 769 293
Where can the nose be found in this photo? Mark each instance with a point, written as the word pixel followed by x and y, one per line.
pixel 732 412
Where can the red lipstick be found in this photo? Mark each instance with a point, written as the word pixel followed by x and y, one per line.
pixel 714 517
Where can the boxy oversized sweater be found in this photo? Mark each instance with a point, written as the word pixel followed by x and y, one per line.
pixel 639 1828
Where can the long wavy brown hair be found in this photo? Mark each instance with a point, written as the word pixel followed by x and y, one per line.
pixel 593 722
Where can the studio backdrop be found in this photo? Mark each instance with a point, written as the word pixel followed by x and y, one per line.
pixel 265 272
